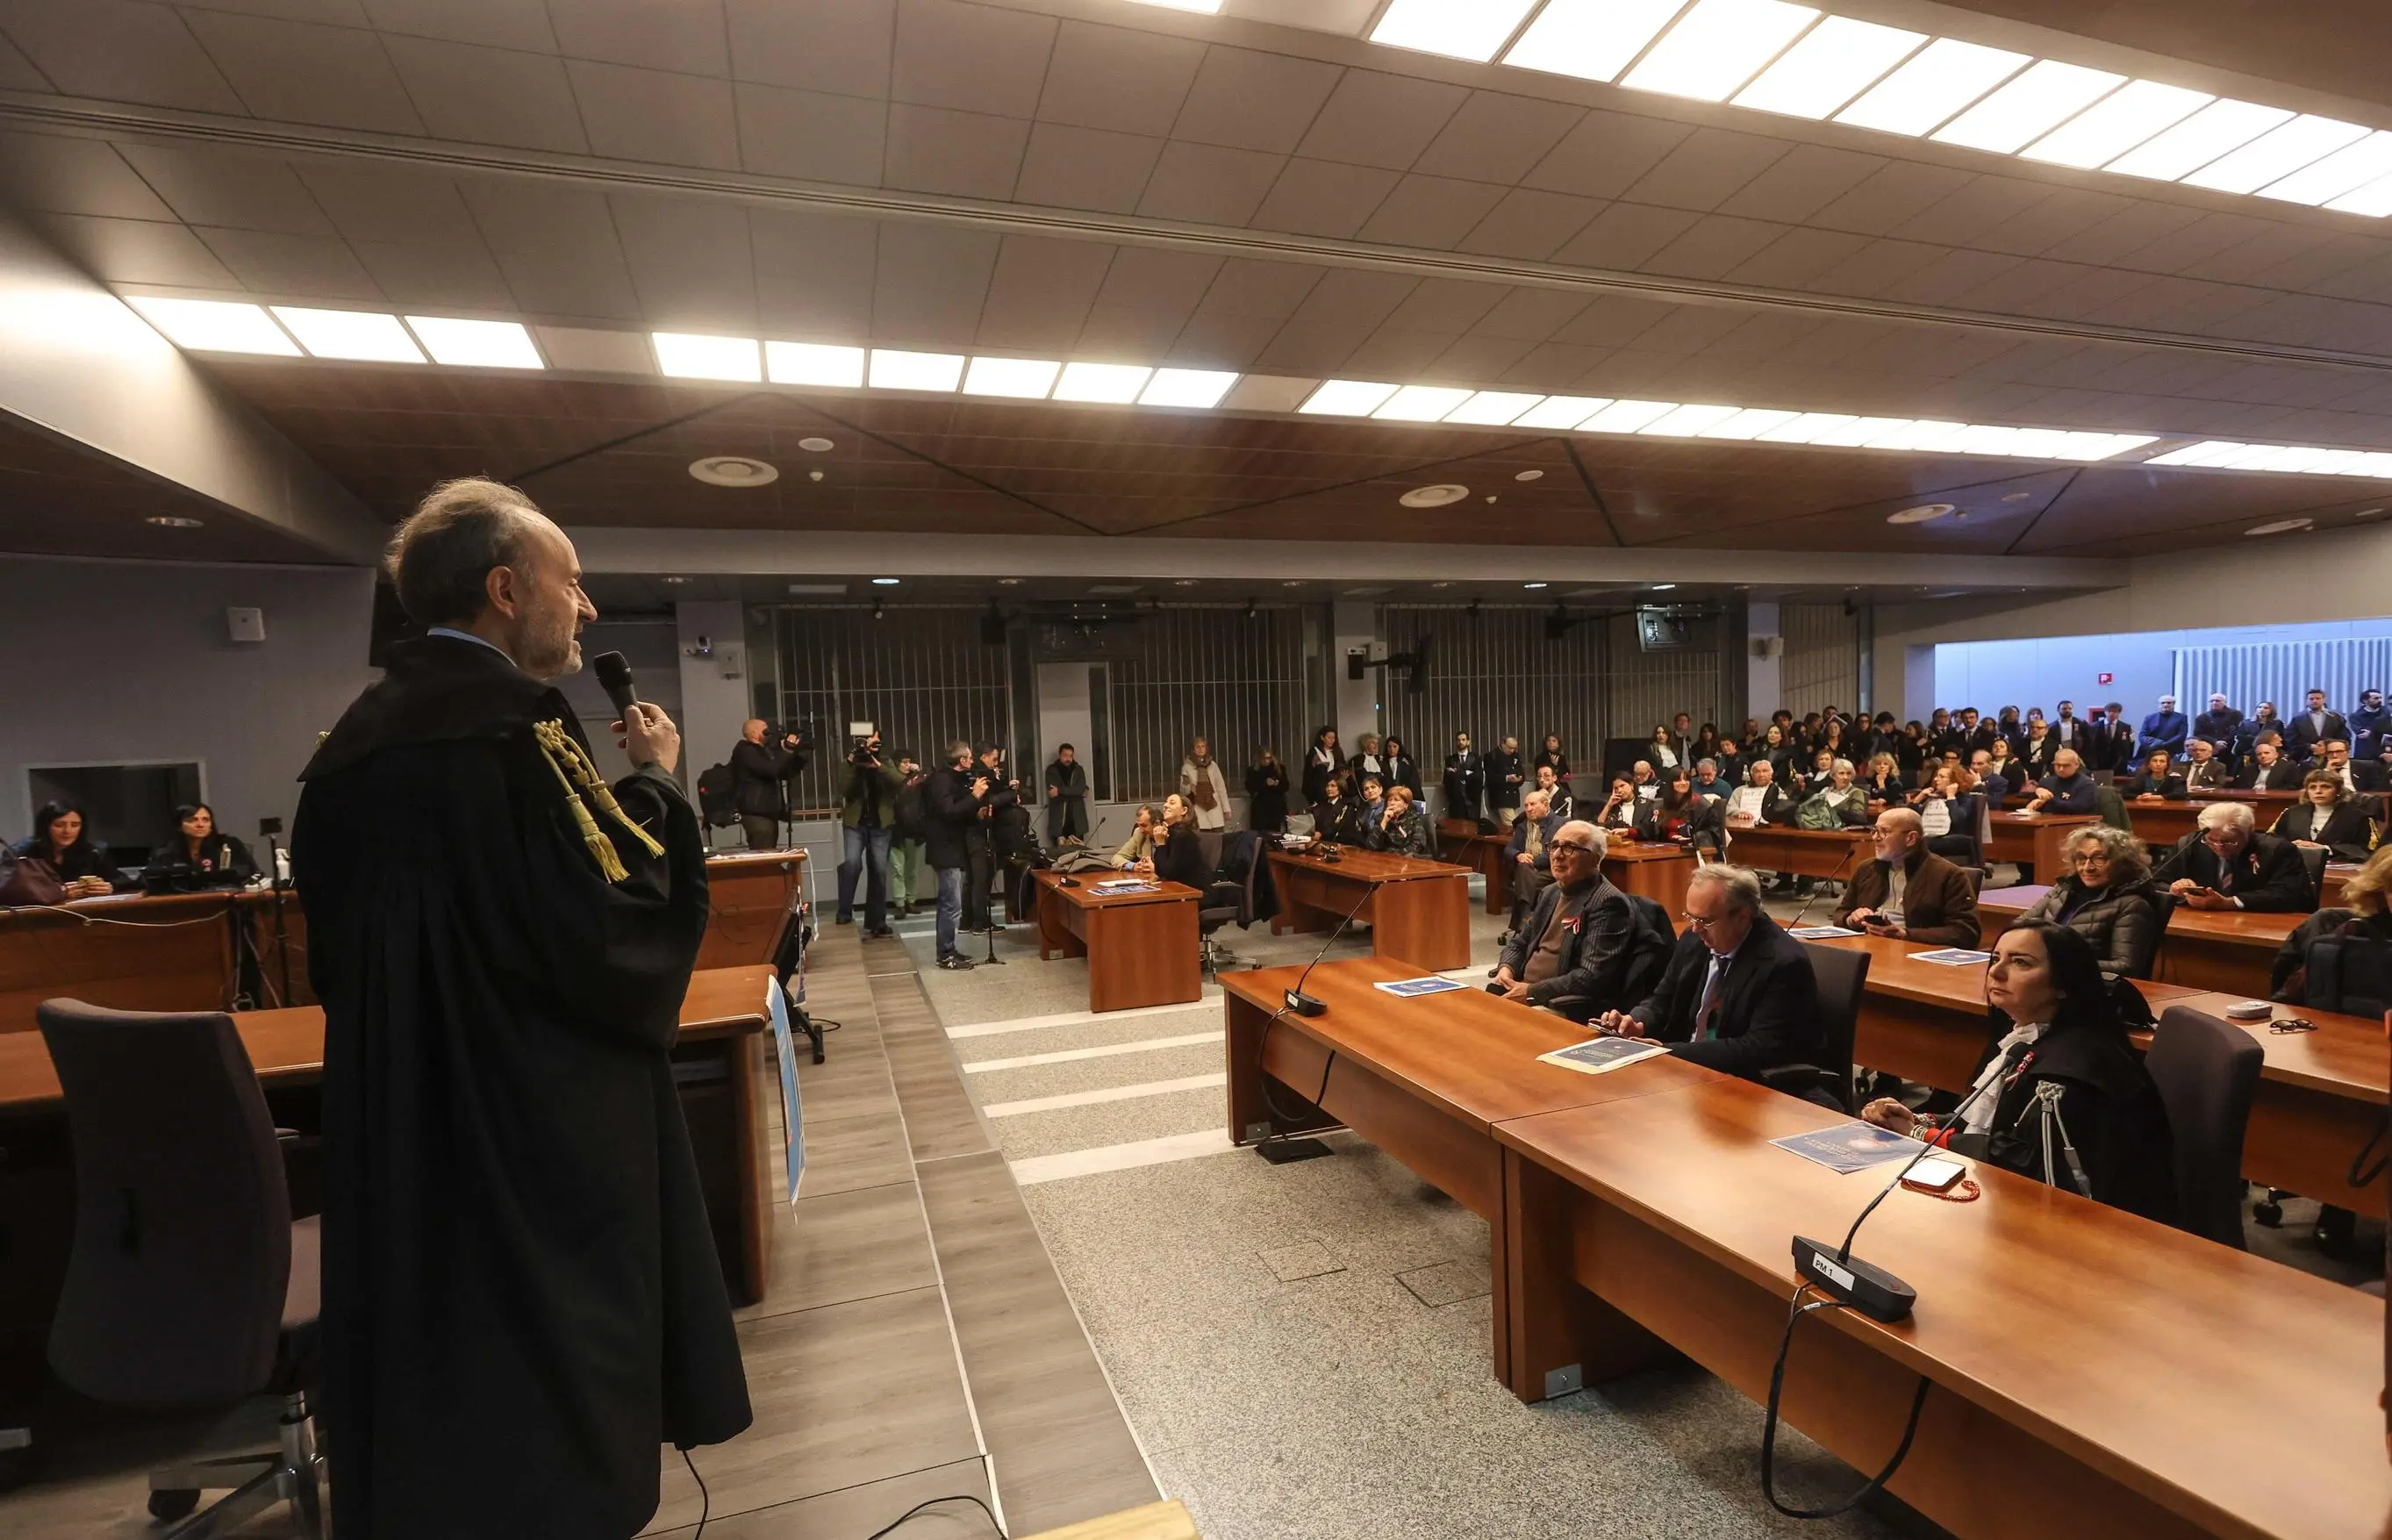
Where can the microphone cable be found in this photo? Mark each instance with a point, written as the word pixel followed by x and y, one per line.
pixel 933 1502
pixel 705 1498
pixel 1795 1310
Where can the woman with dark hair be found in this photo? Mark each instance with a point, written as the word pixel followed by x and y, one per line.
pixel 2329 818
pixel 1706 745
pixel 1662 750
pixel 1620 809
pixel 202 856
pixel 1266 794
pixel 1398 766
pixel 1680 814
pixel 1551 755
pixel 2045 993
pixel 1322 763
pixel 81 865
pixel 1337 819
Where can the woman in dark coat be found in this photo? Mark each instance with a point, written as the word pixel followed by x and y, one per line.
pixel 1680 814
pixel 1323 764
pixel 2105 894
pixel 1266 794
pixel 1551 755
pixel 200 856
pixel 2044 990
pixel 2329 817
pixel 1067 797
pixel 1400 768
pixel 80 862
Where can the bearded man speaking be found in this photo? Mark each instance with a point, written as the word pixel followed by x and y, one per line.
pixel 522 1299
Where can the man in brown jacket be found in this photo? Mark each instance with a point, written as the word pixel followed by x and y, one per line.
pixel 1910 892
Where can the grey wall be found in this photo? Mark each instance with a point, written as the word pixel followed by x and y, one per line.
pixel 647 645
pixel 109 662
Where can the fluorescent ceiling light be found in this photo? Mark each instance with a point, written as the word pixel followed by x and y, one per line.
pixel 1117 384
pixel 1205 7
pixel 1749 424
pixel 1939 81
pixel 694 358
pixel 1925 433
pixel 2284 459
pixel 1494 408
pixel 1686 422
pixel 2276 154
pixel 2375 200
pixel 2222 126
pixel 2102 446
pixel 349 334
pixel 217 326
pixel 1187 388
pixel 1347 399
pixel 1806 428
pixel 1591 39
pixel 1717 47
pixel 814 364
pixel 1561 412
pixel 2116 124
pixel 2330 177
pixel 1860 430
pixel 1979 439
pixel 1834 62
pixel 1029 379
pixel 1458 29
pixel 1421 404
pixel 2029 105
pixel 2337 463
pixel 892 370
pixel 1626 416
pixel 476 343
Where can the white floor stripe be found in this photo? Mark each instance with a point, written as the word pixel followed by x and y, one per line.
pixel 1079 1018
pixel 1122 1157
pixel 1113 1093
pixel 1067 1055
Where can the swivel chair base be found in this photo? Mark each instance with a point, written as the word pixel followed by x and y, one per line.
pixel 295 1474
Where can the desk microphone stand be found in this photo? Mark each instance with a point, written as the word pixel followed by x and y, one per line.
pixel 268 829
pixel 997 900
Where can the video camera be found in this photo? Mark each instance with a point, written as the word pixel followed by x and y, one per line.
pixel 862 743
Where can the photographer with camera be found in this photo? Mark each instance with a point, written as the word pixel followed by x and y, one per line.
pixel 957 797
pixel 867 817
pixel 761 773
pixel 1001 792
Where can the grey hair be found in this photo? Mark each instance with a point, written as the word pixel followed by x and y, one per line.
pixel 1707 763
pixel 958 748
pixel 1598 842
pixel 2218 814
pixel 2129 861
pixel 1537 793
pixel 441 556
pixel 1845 766
pixel 1741 884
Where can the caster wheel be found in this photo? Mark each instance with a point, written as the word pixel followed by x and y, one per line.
pixel 2269 1214
pixel 173 1504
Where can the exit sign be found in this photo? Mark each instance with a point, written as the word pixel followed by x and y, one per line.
pixel 2105 678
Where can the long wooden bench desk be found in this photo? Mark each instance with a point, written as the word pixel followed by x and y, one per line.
pixel 1141 946
pixel 1459 841
pixel 1418 910
pixel 2162 824
pixel 1658 871
pixel 2032 842
pixel 1804 851
pixel 2225 949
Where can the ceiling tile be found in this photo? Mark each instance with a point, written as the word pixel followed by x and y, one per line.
pixel 1527 223
pixel 2334 255
pixel 687 39
pixel 556 246
pixel 1040 295
pixel 1952 277
pixel 1478 359
pixel 1765 334
pixel 293 73
pixel 1552 366
pixel 2085 294
pixel 813 275
pixel 2020 286
pixel 45 174
pixel 334 13
pixel 813 135
pixel 17 72
pixel 692 263
pixel 652 116
pixel 1085 168
pixel 1889 196
pixel 1148 295
pixel 1323 197
pixel 1605 153
pixel 1625 236
pixel 372 201
pixel 1268 393
pixel 588 284
pixel 2069 211
pixel 2369 279
pixel 1964 217
pixel 1796 258
pixel 1206 184
pixel 2107 243
pixel 446 276
pixel 972 59
pixel 1247 287
pixel 1430 212
pixel 1532 314
pixel 304 267
pixel 493 23
pixel 1398 353
pixel 840 46
pixel 970 154
pixel 930 283
pixel 1713 246
pixel 1219 340
pixel 573 347
pixel 137 250
pixel 1797 185
pixel 1615 320
pixel 1495 137
pixel 1242 99
pixel 1877 268
pixel 2183 249
pixel 1707 169
pixel 490 96
pixel 116 50
pixel 1352 295
pixel 209 185
pixel 2270 247
pixel 1116 78
pixel 1379 120
pixel 1447 305
pixel 1685 330
pixel 1311 345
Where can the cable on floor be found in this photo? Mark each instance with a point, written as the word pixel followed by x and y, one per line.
pixel 1796 1310
pixel 952 1498
pixel 705 1498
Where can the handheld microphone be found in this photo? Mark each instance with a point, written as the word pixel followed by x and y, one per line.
pixel 615 677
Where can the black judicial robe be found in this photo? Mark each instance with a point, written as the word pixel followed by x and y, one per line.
pixel 522 1300
pixel 2111 1108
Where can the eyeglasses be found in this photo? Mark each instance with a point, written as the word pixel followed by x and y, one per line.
pixel 2293 1024
pixel 1705 922
pixel 1572 846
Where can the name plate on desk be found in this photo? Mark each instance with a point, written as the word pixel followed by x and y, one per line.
pixel 792 1111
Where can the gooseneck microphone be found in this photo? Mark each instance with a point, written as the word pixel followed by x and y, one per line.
pixel 615 677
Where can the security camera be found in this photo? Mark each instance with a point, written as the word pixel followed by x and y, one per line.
pixel 705 648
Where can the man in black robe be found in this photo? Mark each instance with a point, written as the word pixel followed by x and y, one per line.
pixel 522 1300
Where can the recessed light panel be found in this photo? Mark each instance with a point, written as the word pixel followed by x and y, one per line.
pixel 2351 167
pixel 476 343
pixel 1116 384
pixel 1686 422
pixel 2276 154
pixel 217 326
pixel 1807 427
pixel 685 356
pixel 1493 408
pixel 2222 126
pixel 2106 130
pixel 814 364
pixel 1937 82
pixel 1345 398
pixel 1458 29
pixel 1749 424
pixel 349 334
pixel 2375 200
pixel 2280 527
pixel 1561 412
pixel 1626 416
pixel 1187 388
pixel 1834 62
pixel 1859 430
pixel 1591 39
pixel 1029 379
pixel 1421 404
pixel 890 369
pixel 2029 106
pixel 1202 8
pixel 1717 47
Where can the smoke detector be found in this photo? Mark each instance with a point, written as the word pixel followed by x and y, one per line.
pixel 1926 513
pixel 2280 527
pixel 1433 497
pixel 733 470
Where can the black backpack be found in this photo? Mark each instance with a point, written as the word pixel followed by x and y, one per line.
pixel 913 822
pixel 716 802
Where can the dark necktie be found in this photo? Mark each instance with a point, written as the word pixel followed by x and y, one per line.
pixel 1706 1014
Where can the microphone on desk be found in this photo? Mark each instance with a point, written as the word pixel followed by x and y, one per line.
pixel 615 677
pixel 1835 876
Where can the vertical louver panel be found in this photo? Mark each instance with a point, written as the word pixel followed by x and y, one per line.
pixel 1822 664
pixel 2283 672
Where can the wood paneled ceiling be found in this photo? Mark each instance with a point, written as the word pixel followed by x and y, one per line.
pixel 59 498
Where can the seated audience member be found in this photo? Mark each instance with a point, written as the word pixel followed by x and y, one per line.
pixel 199 856
pixel 1983 777
pixel 1948 817
pixel 1706 743
pixel 2334 759
pixel 2225 865
pixel 1646 783
pixel 1738 995
pixel 2067 789
pixel 1336 817
pixel 2106 895
pixel 2268 769
pixel 1403 828
pixel 2329 818
pixel 2205 770
pixel 1582 943
pixel 1179 853
pixel 1910 892
pixel 80 865
pixel 1819 775
pixel 1618 810
pixel 1372 795
pixel 1884 784
pixel 2001 760
pixel 1141 843
pixel 1681 813
pixel 1530 852
pixel 1837 802
pixel 2045 987
pixel 1731 761
pixel 1708 782
pixel 2156 781
pixel 1760 800
pixel 1772 747
pixel 2365 914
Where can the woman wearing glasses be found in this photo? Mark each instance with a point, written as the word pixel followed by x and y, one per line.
pixel 2106 896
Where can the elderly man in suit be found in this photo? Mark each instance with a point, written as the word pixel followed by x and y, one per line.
pixel 1581 950
pixel 2165 728
pixel 2221 724
pixel 1738 995
pixel 1530 852
pixel 2226 863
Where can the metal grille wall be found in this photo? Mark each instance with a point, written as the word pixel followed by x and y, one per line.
pixel 1491 674
pixel 1822 665
pixel 1234 679
pixel 1645 689
pixel 2284 672
pixel 922 675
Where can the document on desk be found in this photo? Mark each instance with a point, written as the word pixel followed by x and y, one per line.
pixel 1849 1147
pixel 1953 957
pixel 1126 884
pixel 1431 985
pixel 1602 1056
pixel 1820 933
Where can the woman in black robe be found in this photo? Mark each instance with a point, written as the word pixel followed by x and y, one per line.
pixel 200 856
pixel 1266 794
pixel 2045 989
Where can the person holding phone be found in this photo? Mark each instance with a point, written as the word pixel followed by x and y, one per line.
pixel 1909 892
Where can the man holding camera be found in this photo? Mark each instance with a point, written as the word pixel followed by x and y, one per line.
pixel 960 796
pixel 760 773
pixel 867 817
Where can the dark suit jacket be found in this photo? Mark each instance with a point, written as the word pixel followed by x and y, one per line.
pixel 1596 957
pixel 1703 826
pixel 2170 787
pixel 2078 798
pixel 2268 877
pixel 2283 776
pixel 1938 905
pixel 2216 775
pixel 2301 737
pixel 2114 745
pixel 2218 727
pixel 1768 1010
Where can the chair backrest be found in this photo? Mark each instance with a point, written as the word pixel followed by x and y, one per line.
pixel 2352 974
pixel 2111 808
pixel 2313 865
pixel 1976 876
pixel 2163 903
pixel 1843 975
pixel 2207 1071
pixel 175 1285
pixel 1655 937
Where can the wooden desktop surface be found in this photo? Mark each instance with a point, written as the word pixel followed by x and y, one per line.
pixel 1804 851
pixel 1459 841
pixel 2163 823
pixel 2230 949
pixel 1417 911
pixel 1141 946
pixel 2031 841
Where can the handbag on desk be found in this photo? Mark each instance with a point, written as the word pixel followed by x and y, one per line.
pixel 27 880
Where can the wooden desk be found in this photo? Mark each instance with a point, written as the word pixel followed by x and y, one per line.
pixel 2225 949
pixel 1418 911
pixel 2031 841
pixel 2092 1373
pixel 747 892
pixel 1804 851
pixel 1459 841
pixel 1659 873
pixel 2160 825
pixel 2330 890
pixel 1141 946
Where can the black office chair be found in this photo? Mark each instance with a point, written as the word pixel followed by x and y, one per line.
pixel 2207 1071
pixel 2110 805
pixel 1843 975
pixel 1214 914
pixel 2163 903
pixel 2313 867
pixel 188 1286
